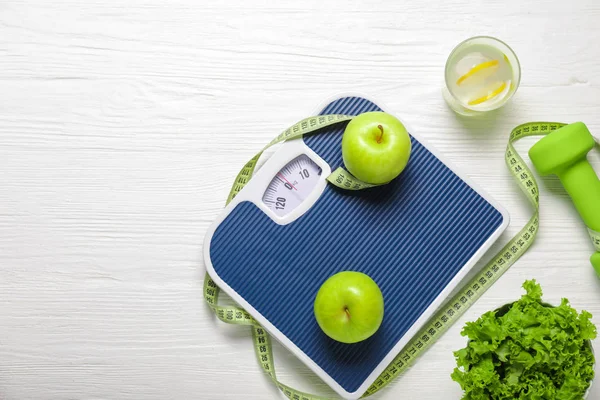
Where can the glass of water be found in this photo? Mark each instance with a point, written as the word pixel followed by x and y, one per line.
pixel 482 74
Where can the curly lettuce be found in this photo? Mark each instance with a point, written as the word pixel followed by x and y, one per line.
pixel 527 350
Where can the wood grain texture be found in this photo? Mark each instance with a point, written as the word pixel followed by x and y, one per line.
pixel 123 123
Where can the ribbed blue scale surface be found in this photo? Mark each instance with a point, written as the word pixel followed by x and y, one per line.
pixel 411 236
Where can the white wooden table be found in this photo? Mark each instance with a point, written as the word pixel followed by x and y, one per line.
pixel 122 125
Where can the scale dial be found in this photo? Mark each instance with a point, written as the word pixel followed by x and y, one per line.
pixel 292 185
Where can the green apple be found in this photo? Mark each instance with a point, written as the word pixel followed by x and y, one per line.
pixel 375 147
pixel 349 307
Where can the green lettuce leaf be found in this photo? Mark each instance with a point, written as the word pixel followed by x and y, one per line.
pixel 528 351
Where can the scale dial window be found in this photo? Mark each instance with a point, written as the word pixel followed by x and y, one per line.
pixel 292 185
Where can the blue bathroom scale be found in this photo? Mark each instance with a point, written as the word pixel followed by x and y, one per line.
pixel 289 230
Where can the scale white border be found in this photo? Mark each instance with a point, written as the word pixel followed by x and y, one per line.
pixel 253 192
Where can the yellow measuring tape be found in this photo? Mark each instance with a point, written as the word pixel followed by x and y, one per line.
pixel 446 315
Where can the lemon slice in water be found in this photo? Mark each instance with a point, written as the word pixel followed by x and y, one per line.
pixel 481 71
pixel 489 96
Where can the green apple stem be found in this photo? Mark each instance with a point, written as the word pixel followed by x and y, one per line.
pixel 380 136
pixel 347 312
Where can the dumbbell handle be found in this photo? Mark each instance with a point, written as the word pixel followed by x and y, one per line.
pixel 582 184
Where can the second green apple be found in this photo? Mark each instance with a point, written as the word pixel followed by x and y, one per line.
pixel 349 307
pixel 375 147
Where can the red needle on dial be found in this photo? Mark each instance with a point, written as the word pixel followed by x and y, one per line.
pixel 283 177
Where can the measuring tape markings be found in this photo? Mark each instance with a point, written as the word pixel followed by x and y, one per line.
pixel 345 180
pixel 593 234
pixel 595 239
pixel 451 311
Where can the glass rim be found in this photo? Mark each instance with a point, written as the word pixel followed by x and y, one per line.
pixel 512 53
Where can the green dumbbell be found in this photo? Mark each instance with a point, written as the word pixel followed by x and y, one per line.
pixel 564 153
